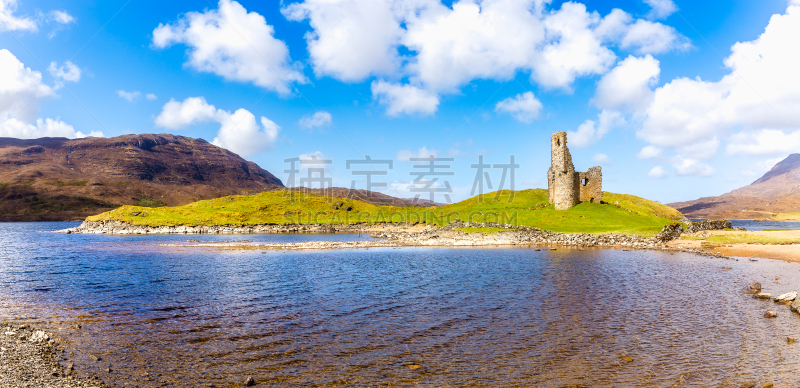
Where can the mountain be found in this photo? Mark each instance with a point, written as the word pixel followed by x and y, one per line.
pixel 777 191
pixel 64 179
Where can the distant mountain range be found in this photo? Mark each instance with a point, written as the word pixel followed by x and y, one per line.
pixel 777 191
pixel 58 179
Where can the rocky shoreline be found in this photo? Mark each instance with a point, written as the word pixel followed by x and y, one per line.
pixel 448 236
pixel 28 358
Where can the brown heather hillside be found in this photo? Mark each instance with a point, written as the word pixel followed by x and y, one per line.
pixel 58 179
pixel 777 191
pixel 63 179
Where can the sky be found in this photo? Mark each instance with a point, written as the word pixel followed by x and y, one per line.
pixel 675 100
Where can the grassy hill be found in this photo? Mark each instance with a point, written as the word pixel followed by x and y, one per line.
pixel 620 213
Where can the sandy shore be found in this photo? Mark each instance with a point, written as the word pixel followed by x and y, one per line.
pixel 783 251
pixel 28 358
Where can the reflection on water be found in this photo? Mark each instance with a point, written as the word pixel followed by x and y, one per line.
pixel 411 316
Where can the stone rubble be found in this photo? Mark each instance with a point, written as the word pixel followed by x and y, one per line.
pixel 28 359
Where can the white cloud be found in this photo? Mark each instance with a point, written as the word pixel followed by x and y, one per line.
pixel 446 47
pixel 21 89
pixel 766 142
pixel 130 96
pixel 151 96
pixel 758 97
pixel 67 72
pixel 649 152
pixel 61 17
pixel 657 172
pixel 232 43
pixel 351 40
pixel 627 87
pixel 524 107
pixel 404 99
pixel 640 36
pixel 13 23
pixel 318 120
pixel 661 8
pixel 21 93
pixel 692 167
pixel 761 167
pixel 239 131
pixel 590 131
pixel 42 128
pixel 601 159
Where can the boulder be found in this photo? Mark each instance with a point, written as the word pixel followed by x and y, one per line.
pixel 796 305
pixel 755 286
pixel 669 233
pixel 763 295
pixel 787 297
pixel 770 314
pixel 39 336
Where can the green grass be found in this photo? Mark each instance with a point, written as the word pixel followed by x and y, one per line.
pixel 744 239
pixel 777 230
pixel 786 217
pixel 622 213
pixel 145 200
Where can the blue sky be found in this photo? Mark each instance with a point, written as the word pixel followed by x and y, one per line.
pixel 677 111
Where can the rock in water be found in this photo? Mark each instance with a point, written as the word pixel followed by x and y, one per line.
pixel 787 297
pixel 39 336
pixel 796 306
pixel 755 286
pixel 249 382
pixel 762 295
pixel 770 314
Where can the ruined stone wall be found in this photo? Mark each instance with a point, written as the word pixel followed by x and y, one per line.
pixel 590 184
pixel 566 187
pixel 563 190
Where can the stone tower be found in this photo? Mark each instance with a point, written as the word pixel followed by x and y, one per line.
pixel 566 187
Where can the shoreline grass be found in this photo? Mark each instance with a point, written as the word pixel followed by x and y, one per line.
pixel 620 213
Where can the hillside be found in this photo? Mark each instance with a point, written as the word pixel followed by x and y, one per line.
pixel 776 192
pixel 622 214
pixel 63 179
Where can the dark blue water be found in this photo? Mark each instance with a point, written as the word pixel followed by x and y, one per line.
pixel 401 317
pixel 761 225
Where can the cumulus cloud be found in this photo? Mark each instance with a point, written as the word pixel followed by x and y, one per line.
pixel 239 131
pixel 446 47
pixel 759 97
pixel 601 159
pixel 349 42
pixel 649 152
pixel 524 107
pixel 318 120
pixel 765 142
pixel 151 96
pixel 692 167
pixel 14 23
pixel 21 93
pixel 590 131
pixel 627 87
pixel 640 36
pixel 234 44
pixel 130 96
pixel 404 99
pixel 657 172
pixel 42 128
pixel 661 8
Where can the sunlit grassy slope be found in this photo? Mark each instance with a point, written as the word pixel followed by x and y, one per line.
pixel 621 213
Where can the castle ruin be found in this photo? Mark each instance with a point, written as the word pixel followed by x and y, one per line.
pixel 566 187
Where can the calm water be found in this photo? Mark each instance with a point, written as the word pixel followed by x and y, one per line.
pixel 466 317
pixel 761 225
